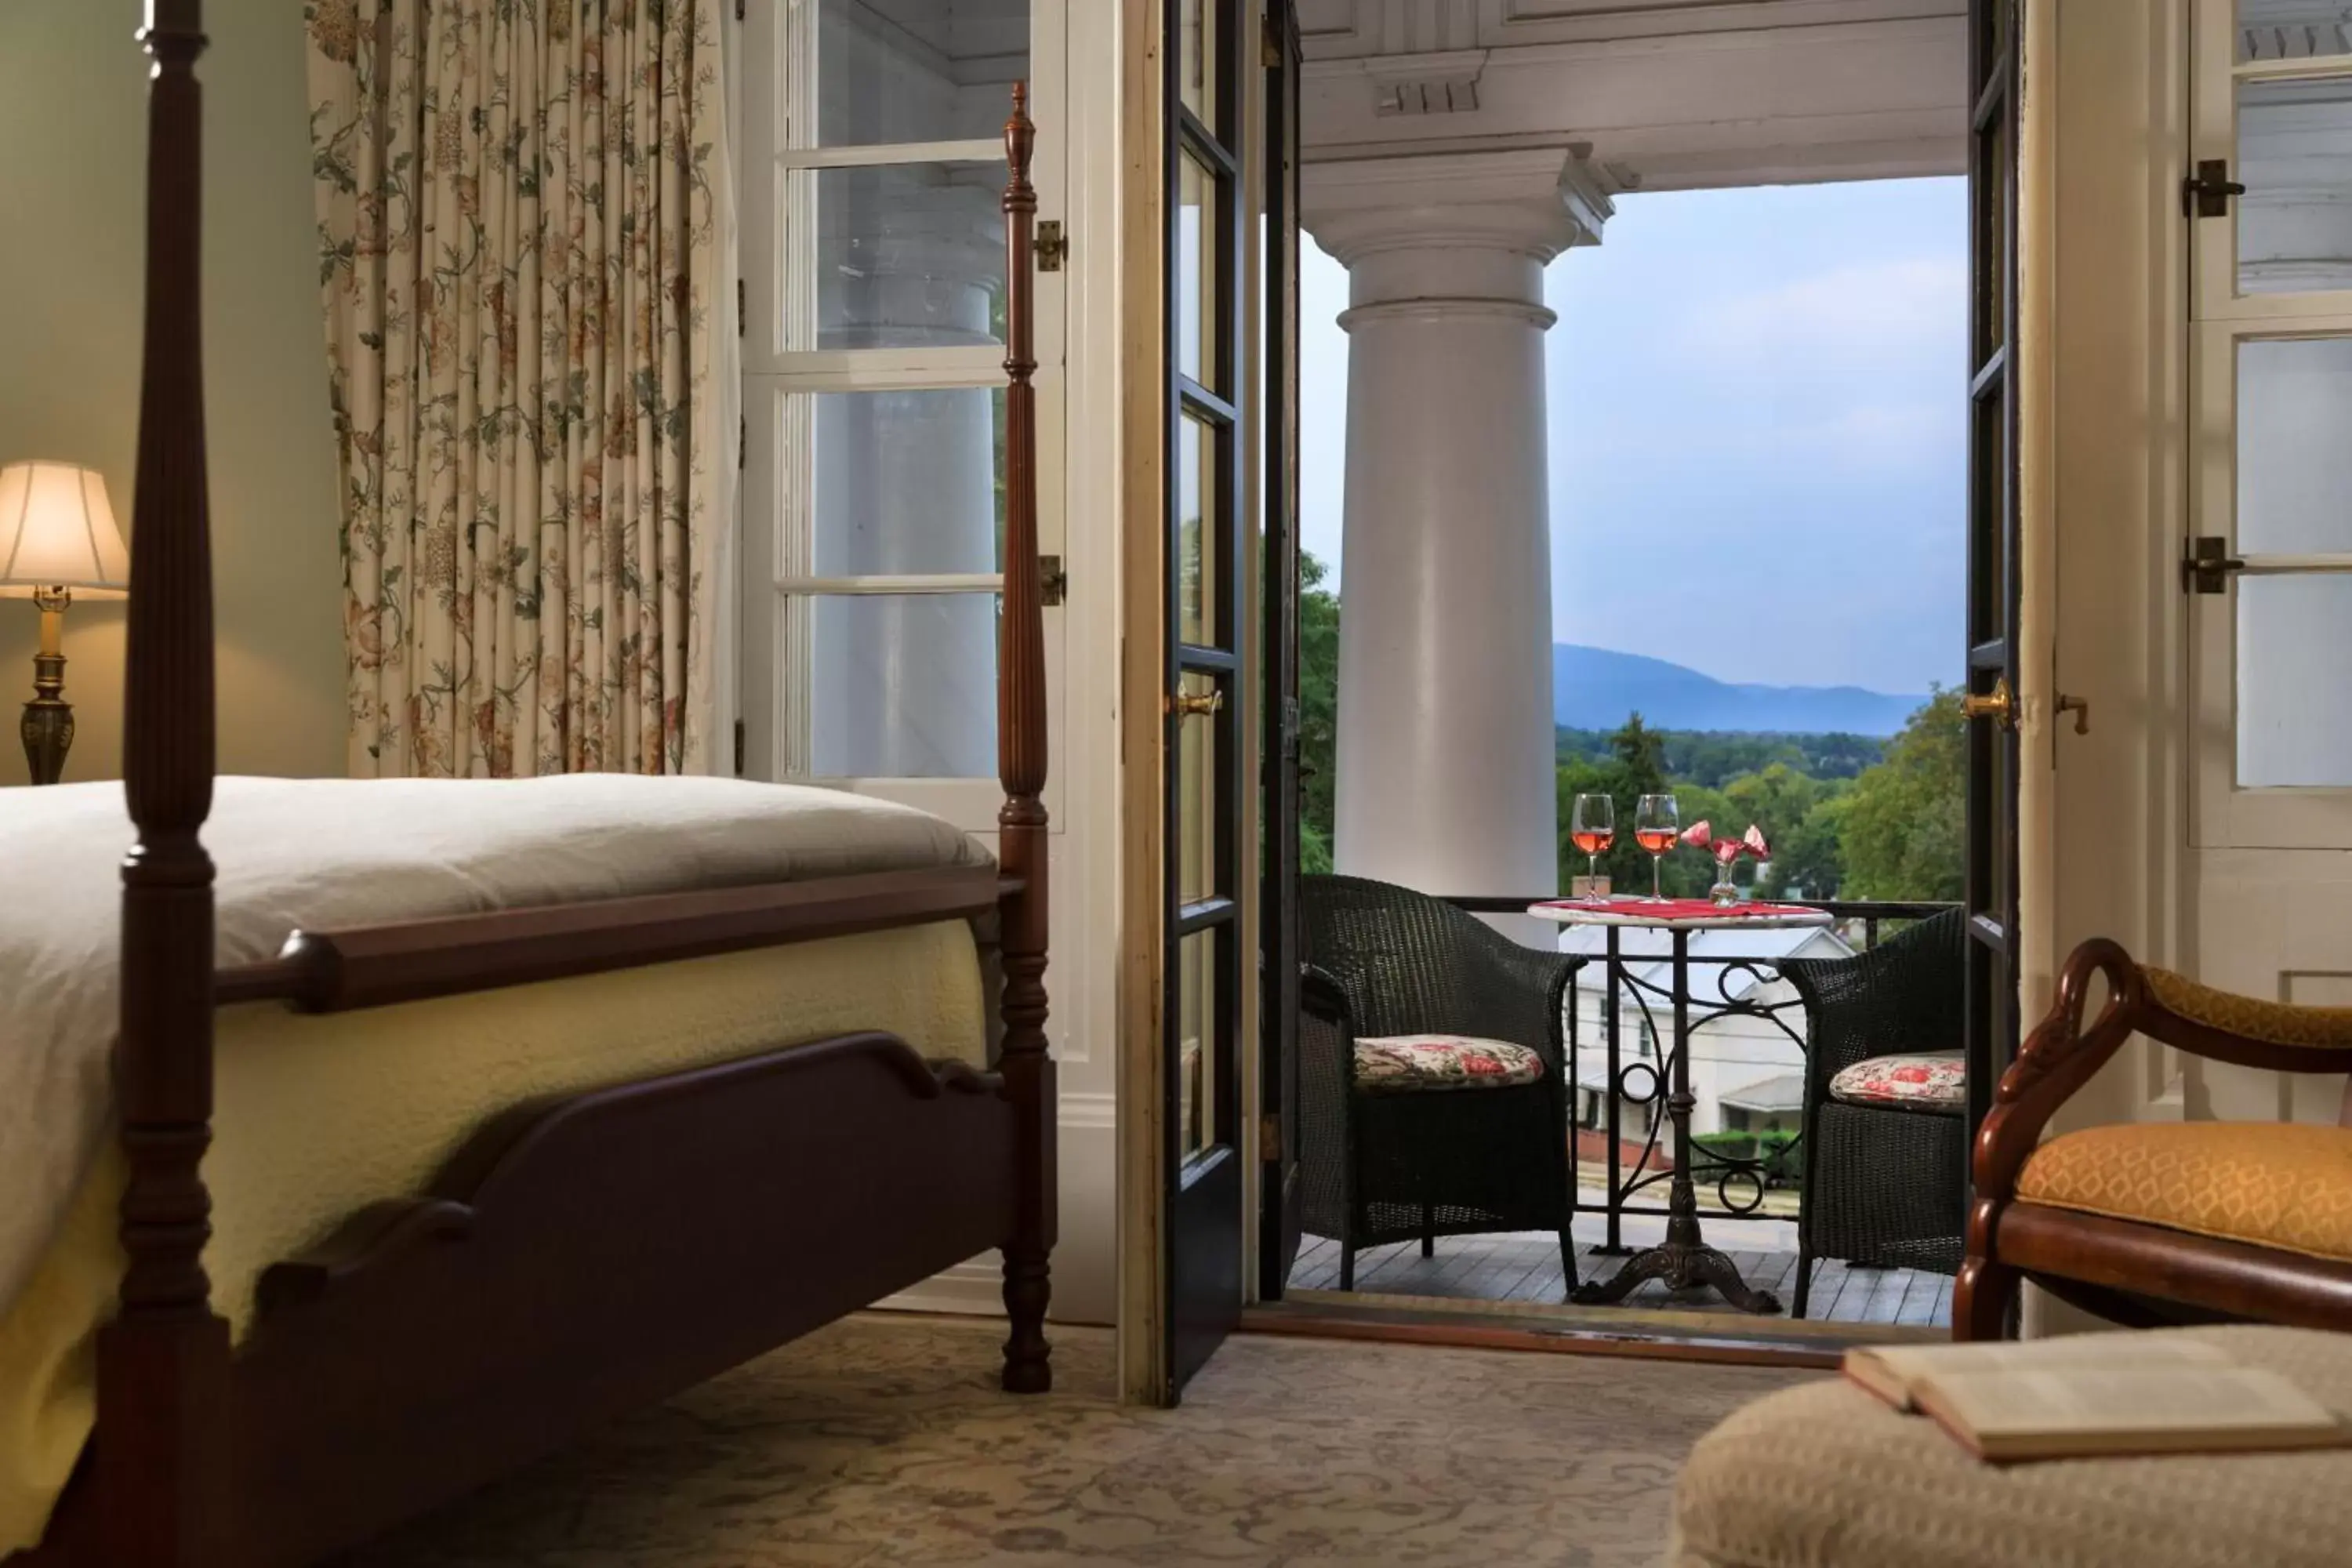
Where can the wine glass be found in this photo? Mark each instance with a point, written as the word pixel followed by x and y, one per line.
pixel 1593 829
pixel 1657 821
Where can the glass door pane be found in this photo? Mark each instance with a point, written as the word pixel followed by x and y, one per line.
pixel 1198 873
pixel 2294 158
pixel 1197 317
pixel 2293 532
pixel 1198 1068
pixel 2295 671
pixel 899 686
pixel 903 483
pixel 1198 58
pixel 2295 446
pixel 915 71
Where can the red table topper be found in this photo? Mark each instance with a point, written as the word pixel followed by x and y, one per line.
pixel 1680 908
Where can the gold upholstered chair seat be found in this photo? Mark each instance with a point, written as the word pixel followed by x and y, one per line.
pixel 2268 1183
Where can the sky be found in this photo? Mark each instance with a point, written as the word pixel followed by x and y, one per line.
pixel 1771 377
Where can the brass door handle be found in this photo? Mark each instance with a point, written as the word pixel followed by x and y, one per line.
pixel 1996 705
pixel 1196 704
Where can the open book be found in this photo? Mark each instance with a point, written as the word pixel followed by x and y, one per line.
pixel 2100 1395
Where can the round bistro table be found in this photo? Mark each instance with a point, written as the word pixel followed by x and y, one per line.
pixel 1684 1260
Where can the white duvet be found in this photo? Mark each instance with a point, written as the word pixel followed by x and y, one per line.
pixel 326 854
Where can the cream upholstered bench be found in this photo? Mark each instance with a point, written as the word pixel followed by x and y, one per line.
pixel 1824 1476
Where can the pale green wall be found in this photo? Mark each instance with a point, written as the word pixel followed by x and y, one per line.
pixel 72 165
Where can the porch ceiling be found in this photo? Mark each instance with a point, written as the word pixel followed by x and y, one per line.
pixel 1654 94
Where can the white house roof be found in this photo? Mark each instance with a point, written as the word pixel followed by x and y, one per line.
pixel 1767 1096
pixel 1649 956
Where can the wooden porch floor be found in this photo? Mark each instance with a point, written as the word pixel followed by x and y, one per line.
pixel 1525 1266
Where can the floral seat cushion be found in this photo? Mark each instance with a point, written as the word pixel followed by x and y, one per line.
pixel 1936 1082
pixel 1398 1064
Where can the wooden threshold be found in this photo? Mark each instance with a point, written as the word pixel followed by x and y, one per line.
pixel 1434 1320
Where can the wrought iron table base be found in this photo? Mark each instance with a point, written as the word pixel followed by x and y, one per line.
pixel 1684 1262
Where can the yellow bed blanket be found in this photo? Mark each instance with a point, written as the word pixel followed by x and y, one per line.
pixel 316 1117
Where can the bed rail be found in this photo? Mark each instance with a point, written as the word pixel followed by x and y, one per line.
pixel 411 960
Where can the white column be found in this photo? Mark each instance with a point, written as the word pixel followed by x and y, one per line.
pixel 1445 748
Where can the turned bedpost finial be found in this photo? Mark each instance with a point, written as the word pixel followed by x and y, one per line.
pixel 1025 1061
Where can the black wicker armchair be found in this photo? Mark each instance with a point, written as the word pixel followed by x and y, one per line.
pixel 1383 1160
pixel 1885 1186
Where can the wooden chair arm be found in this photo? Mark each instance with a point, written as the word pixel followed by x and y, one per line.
pixel 2058 1058
pixel 2282 1037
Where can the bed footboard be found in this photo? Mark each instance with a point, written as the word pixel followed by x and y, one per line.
pixel 587 1256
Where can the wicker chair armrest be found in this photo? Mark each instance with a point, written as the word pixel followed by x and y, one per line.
pixel 1325 1040
pixel 1900 996
pixel 1320 996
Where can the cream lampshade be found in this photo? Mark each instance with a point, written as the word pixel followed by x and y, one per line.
pixel 57 538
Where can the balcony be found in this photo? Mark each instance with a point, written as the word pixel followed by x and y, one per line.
pixel 1747 1038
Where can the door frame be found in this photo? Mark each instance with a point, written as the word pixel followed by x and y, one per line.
pixel 1276 1202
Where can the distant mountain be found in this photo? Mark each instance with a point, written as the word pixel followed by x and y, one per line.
pixel 1595 689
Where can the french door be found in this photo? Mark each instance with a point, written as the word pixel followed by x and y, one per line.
pixel 1278 944
pixel 2267 569
pixel 1207 621
pixel 1989 881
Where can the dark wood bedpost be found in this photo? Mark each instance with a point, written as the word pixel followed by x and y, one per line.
pixel 160 1451
pixel 1027 1068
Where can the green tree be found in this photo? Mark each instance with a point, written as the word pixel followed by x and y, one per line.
pixel 1904 826
pixel 1319 714
pixel 1806 860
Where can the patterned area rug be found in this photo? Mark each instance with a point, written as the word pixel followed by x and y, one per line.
pixel 883 1440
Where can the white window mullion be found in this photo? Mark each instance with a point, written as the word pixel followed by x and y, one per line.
pixel 882 153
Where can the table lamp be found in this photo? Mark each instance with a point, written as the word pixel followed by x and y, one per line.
pixel 57 539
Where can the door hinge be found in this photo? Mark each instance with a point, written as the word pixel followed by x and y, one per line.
pixel 743 443
pixel 2207 193
pixel 1053 583
pixel 1052 248
pixel 742 308
pixel 1270 1139
pixel 739 10
pixel 739 748
pixel 2206 568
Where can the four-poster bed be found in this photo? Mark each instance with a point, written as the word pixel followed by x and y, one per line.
pixel 579 1253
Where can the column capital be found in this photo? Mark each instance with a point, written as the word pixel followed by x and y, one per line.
pixel 1530 203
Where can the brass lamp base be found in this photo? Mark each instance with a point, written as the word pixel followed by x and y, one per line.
pixel 47 726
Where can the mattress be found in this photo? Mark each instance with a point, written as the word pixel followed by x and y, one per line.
pixel 318 1116
pixel 330 854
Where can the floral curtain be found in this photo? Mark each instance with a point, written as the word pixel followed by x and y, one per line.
pixel 524 230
